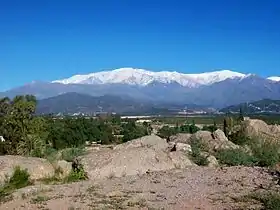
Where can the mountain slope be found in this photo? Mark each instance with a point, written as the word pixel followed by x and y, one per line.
pixel 233 90
pixel 70 103
pixel 143 77
pixel 275 78
pixel 265 105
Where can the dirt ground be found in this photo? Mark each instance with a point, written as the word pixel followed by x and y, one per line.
pixel 191 188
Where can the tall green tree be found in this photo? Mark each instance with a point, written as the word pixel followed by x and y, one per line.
pixel 241 115
pixel 16 117
pixel 225 127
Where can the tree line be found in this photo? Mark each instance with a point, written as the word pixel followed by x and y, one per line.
pixel 31 135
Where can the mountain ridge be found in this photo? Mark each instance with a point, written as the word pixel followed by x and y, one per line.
pixel 255 107
pixel 142 77
pixel 232 89
pixel 73 103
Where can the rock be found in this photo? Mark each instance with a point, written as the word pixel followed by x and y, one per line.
pixel 38 168
pixel 145 141
pixel 64 167
pixel 30 190
pixel 181 138
pixel 180 159
pixel 116 194
pixel 212 161
pixel 183 147
pixel 213 142
pixel 258 128
pixel 134 158
pixel 220 135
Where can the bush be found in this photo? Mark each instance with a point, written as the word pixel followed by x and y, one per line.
pixel 210 128
pixel 51 154
pixel 234 157
pixel 132 131
pixel 19 179
pixel 70 153
pixel 266 152
pixel 270 201
pixel 188 129
pixel 240 138
pixel 196 156
pixel 166 132
pixel 76 175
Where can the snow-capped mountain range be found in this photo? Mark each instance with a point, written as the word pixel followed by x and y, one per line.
pixel 213 89
pixel 133 76
pixel 276 79
pixel 143 77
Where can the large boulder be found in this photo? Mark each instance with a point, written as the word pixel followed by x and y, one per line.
pixel 149 153
pixel 133 161
pixel 212 161
pixel 183 147
pixel 213 141
pixel 258 128
pixel 38 168
pixel 63 168
pixel 181 138
pixel 145 141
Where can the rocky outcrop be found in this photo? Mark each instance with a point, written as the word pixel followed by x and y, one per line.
pixel 38 168
pixel 181 138
pixel 183 147
pixel 149 153
pixel 213 141
pixel 63 168
pixel 212 161
pixel 145 141
pixel 258 128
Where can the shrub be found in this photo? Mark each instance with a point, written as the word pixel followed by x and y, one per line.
pixel 266 152
pixel 50 154
pixel 270 201
pixel 239 138
pixel 166 132
pixel 234 157
pixel 188 128
pixel 76 175
pixel 132 131
pixel 196 156
pixel 70 153
pixel 19 179
pixel 210 128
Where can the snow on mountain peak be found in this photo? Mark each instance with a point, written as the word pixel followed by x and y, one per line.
pixel 275 78
pixel 144 77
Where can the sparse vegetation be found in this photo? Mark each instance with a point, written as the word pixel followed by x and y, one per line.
pixel 69 154
pixel 196 154
pixel 234 157
pixel 19 179
pixel 76 175
pixel 40 199
pixel 65 139
pixel 269 200
pixel 264 154
pixel 46 137
pixel 167 131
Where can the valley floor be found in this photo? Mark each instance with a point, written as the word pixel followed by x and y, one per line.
pixel 191 188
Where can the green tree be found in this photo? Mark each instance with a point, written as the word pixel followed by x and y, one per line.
pixel 225 127
pixel 241 116
pixel 15 120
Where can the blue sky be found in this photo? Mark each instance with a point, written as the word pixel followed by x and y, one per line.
pixel 52 39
